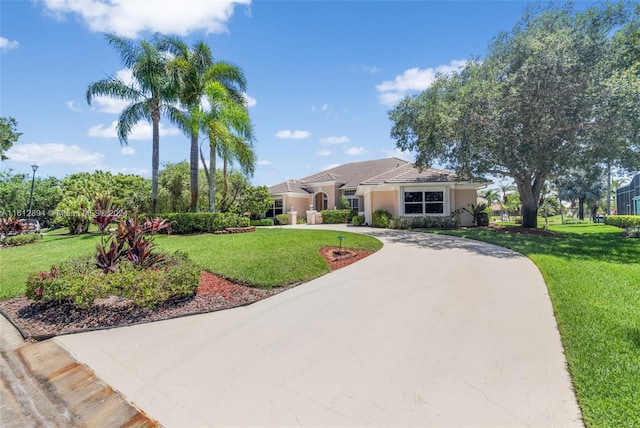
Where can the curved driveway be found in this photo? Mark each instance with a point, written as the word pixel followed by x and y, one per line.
pixel 429 331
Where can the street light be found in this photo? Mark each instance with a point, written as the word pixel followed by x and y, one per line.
pixel 34 167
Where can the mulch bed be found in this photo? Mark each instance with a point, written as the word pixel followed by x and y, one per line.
pixel 517 230
pixel 39 321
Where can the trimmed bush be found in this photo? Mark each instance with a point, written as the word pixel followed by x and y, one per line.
pixel 381 218
pixel 336 216
pixel 79 281
pixel 623 221
pixel 15 240
pixel 282 219
pixel 188 223
pixel 262 222
pixel 358 220
pixel 425 222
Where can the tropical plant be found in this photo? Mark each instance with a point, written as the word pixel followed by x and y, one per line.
pixel 150 95
pixel 584 186
pixel 255 201
pixel 228 126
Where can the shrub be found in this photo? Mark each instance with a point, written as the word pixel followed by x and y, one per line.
pixel 344 203
pixel 10 241
pixel 262 222
pixel 282 219
pixel 425 222
pixel 301 221
pixel 623 221
pixel 79 281
pixel 357 220
pixel 187 223
pixel 381 218
pixel 10 225
pixel 336 216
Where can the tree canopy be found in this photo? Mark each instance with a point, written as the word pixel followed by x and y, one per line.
pixel 8 135
pixel 560 91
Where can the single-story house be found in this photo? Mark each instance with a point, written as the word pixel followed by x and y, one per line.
pixel 628 197
pixel 390 184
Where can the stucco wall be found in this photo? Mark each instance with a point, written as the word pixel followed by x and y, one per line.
pixel 301 205
pixel 385 200
pixel 462 199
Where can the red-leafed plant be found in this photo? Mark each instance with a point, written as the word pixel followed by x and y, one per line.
pixel 131 243
pixel 10 225
pixel 105 212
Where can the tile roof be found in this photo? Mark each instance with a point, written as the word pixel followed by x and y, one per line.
pixel 373 172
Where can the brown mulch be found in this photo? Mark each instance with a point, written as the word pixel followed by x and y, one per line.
pixel 39 321
pixel 517 230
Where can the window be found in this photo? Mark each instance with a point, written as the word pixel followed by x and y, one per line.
pixel 275 209
pixel 424 202
pixel 354 201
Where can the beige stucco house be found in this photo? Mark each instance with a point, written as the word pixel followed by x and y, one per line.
pixel 390 184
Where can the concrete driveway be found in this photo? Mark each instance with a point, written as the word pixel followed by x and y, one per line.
pixel 429 331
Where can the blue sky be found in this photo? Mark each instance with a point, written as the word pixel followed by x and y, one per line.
pixel 322 75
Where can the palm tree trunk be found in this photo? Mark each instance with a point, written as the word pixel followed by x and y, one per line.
pixel 155 160
pixel 194 171
pixel 224 175
pixel 212 174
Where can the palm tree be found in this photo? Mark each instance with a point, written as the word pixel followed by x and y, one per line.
pixel 150 95
pixel 241 150
pixel 191 70
pixel 228 128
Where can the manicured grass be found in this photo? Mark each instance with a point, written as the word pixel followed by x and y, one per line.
pixel 265 258
pixel 593 277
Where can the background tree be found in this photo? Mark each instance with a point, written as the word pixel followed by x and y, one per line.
pixel 14 196
pixel 8 135
pixel 151 94
pixel 256 200
pixel 536 106
pixel 227 124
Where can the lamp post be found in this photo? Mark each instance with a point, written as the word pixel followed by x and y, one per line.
pixel 34 167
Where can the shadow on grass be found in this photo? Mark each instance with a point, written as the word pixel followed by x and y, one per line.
pixel 604 247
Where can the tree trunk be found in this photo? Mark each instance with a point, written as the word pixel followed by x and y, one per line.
pixel 529 190
pixel 212 174
pixel 155 160
pixel 581 208
pixel 194 171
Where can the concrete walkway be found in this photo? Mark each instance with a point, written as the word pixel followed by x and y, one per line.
pixel 429 331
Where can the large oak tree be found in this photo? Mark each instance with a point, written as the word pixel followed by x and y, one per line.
pixel 559 91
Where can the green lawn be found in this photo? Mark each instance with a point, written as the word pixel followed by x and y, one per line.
pixel 593 277
pixel 264 258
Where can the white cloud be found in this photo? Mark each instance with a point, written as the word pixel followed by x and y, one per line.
pixel 128 151
pixel 53 153
pixel 354 151
pixel 251 102
pixel 413 79
pixel 140 131
pixel 6 45
pixel 372 69
pixel 144 172
pixel 293 135
pixel 325 107
pixel 397 153
pixel 72 106
pixel 334 140
pixel 323 152
pixel 130 18
pixel 263 163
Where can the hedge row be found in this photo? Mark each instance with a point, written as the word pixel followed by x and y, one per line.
pixel 336 216
pixel 623 221
pixel 186 223
pixel 425 222
pixel 20 239
pixel 262 222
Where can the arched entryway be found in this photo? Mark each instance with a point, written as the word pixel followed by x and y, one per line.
pixel 320 201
